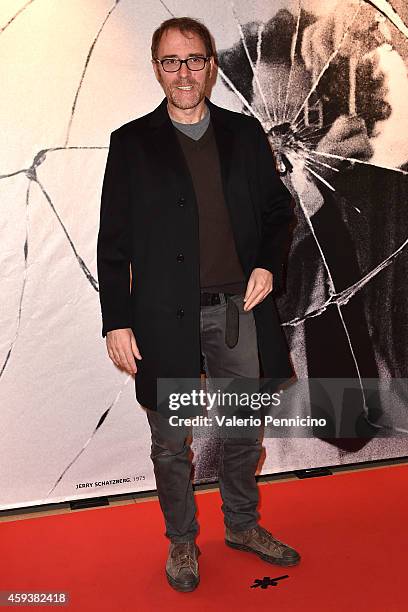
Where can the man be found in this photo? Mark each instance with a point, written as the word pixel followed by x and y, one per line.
pixel 192 201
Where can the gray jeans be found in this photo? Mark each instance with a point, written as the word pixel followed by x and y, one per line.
pixel 172 456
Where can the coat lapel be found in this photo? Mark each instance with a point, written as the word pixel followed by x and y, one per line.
pixel 224 137
pixel 168 152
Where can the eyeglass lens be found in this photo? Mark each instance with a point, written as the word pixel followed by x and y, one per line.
pixel 193 63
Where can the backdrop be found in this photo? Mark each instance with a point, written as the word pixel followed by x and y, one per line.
pixel 328 80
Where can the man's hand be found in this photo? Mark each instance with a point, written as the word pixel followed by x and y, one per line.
pixel 260 283
pixel 122 349
pixel 346 138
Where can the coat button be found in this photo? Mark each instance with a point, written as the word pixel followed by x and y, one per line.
pixel 180 313
pixel 180 258
pixel 181 201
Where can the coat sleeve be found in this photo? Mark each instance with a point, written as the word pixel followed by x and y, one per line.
pixel 113 245
pixel 276 212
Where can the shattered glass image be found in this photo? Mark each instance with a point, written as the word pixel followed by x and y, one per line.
pixel 329 87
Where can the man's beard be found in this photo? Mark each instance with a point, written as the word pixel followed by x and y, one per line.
pixel 183 100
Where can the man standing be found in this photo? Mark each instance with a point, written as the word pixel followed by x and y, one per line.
pixel 191 201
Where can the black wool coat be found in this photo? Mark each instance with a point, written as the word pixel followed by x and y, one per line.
pixel 149 216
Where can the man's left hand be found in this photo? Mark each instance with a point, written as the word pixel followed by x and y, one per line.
pixel 260 283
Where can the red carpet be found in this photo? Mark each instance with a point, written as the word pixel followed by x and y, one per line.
pixel 351 530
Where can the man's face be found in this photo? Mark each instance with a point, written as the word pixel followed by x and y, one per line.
pixel 177 45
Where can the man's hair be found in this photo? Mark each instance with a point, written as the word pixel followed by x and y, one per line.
pixel 184 25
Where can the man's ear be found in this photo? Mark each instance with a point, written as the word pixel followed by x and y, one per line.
pixel 212 66
pixel 156 69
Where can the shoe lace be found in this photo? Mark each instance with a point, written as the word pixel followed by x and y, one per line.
pixel 267 538
pixel 185 557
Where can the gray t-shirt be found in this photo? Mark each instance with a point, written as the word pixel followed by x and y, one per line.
pixel 194 130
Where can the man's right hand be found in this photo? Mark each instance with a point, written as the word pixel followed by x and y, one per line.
pixel 122 349
pixel 347 138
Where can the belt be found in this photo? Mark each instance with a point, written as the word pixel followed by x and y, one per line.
pixel 231 315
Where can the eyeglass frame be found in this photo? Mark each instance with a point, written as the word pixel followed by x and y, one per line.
pixel 184 61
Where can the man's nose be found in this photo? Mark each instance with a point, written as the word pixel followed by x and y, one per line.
pixel 184 71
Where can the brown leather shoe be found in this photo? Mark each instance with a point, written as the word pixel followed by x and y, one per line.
pixel 182 566
pixel 259 541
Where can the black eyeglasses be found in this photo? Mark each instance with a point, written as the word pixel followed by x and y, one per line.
pixel 172 64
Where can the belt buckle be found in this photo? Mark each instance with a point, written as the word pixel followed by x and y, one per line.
pixel 209 299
